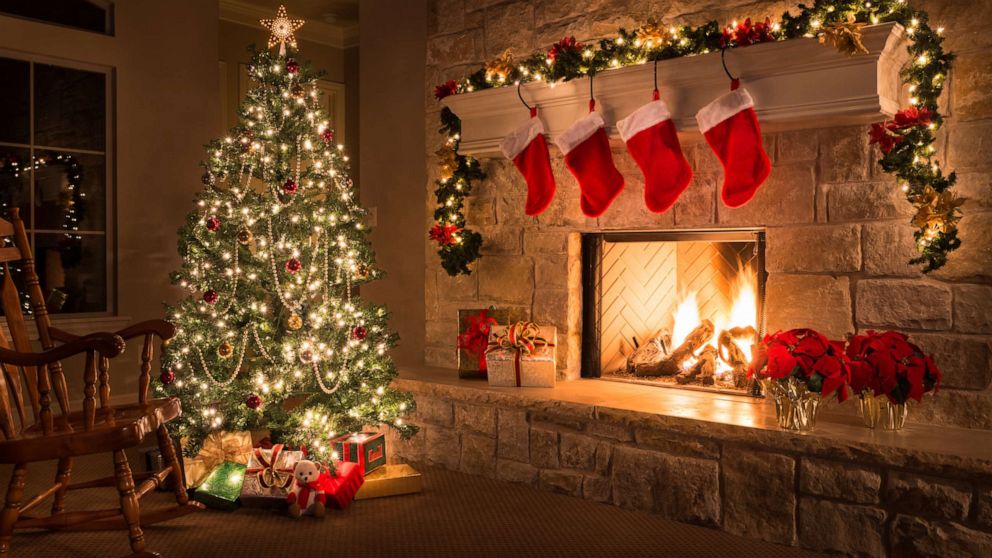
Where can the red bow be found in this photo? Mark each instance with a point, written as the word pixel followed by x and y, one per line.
pixel 268 474
pixel 476 336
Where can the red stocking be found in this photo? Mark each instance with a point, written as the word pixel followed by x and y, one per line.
pixel 654 144
pixel 588 156
pixel 731 128
pixel 528 150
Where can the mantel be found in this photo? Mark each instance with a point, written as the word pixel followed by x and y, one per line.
pixel 796 84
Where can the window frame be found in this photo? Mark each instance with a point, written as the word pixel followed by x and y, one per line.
pixel 109 316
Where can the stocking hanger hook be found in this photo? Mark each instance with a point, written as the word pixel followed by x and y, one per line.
pixel 592 99
pixel 734 80
pixel 656 95
pixel 522 97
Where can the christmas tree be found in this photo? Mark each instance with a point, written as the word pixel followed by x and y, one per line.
pixel 272 332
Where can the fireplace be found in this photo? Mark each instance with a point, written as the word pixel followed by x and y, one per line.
pixel 673 308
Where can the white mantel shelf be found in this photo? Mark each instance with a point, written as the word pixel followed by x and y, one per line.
pixel 796 84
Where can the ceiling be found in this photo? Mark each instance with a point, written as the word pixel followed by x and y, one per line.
pixel 330 22
pixel 340 12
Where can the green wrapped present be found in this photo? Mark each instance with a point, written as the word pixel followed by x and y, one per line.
pixel 222 487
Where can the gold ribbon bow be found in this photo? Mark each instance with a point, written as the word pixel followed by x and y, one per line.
pixel 521 336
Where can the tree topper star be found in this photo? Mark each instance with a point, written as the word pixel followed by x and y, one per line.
pixel 282 29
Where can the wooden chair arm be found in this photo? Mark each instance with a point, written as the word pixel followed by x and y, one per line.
pixel 163 329
pixel 107 344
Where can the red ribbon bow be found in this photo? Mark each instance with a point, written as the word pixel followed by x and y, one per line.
pixel 269 475
pixel 476 336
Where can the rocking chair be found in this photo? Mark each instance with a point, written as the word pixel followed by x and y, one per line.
pixel 31 432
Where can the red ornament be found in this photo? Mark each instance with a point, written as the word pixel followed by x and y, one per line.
pixel 253 401
pixel 327 135
pixel 359 333
pixel 293 265
pixel 167 377
pixel 213 224
pixel 210 296
pixel 290 186
pixel 446 89
pixel 292 66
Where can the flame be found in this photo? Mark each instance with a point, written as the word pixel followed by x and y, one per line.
pixel 686 319
pixel 743 312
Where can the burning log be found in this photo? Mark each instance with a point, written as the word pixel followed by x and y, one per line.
pixel 672 363
pixel 702 370
pixel 651 352
pixel 732 354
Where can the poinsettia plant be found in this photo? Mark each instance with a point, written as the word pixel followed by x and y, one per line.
pixel 887 363
pixel 804 354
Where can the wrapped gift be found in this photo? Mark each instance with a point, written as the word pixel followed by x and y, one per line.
pixel 367 449
pixel 522 354
pixel 217 448
pixel 391 480
pixel 473 337
pixel 269 476
pixel 341 486
pixel 222 487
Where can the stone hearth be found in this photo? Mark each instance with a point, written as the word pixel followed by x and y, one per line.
pixel 720 463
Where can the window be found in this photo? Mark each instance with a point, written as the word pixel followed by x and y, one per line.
pixel 55 166
pixel 88 15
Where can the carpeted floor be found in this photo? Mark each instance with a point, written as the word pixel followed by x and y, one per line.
pixel 455 515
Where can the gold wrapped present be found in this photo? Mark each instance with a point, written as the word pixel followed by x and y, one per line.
pixel 522 355
pixel 390 480
pixel 217 448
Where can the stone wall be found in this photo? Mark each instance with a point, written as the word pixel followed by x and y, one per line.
pixel 838 237
pixel 807 491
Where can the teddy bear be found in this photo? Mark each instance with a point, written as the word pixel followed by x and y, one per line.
pixel 306 494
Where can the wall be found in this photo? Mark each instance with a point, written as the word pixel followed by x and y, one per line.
pixel 838 237
pixel 234 40
pixel 164 55
pixel 392 163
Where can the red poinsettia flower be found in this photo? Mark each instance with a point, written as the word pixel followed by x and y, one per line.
pixel 912 116
pixel 807 355
pixel 567 44
pixel 888 363
pixel 747 33
pixel 446 89
pixel 881 135
pixel 444 234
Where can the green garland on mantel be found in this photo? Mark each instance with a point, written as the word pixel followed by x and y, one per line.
pixel 905 142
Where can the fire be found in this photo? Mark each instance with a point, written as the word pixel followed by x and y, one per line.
pixel 742 313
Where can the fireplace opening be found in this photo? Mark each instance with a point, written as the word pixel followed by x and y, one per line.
pixel 675 309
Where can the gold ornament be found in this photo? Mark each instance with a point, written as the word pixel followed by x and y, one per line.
pixel 362 271
pixel 845 36
pixel 651 35
pixel 447 161
pixel 306 355
pixel 298 91
pixel 225 350
pixel 282 29
pixel 294 322
pixel 935 211
pixel 501 67
pixel 244 235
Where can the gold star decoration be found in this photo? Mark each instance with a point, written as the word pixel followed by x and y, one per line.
pixel 936 211
pixel 282 29
pixel 501 67
pixel 845 36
